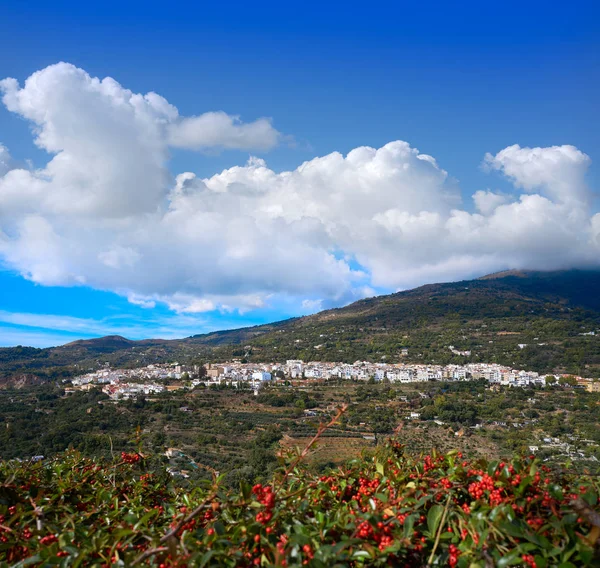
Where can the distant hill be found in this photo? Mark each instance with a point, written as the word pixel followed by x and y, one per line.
pixel 101 344
pixel 537 320
pixel 82 355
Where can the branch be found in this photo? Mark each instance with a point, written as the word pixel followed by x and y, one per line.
pixel 187 519
pixel 149 553
pixel 39 515
pixel 322 428
pixel 439 531
pixel 583 509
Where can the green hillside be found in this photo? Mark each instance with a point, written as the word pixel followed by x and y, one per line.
pixel 546 313
pixel 536 320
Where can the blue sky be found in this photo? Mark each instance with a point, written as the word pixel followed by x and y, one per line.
pixel 453 82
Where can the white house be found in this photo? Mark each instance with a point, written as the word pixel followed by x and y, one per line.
pixel 261 376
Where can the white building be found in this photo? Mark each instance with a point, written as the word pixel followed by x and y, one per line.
pixel 261 376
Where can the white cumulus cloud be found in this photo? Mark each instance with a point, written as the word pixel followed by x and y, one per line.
pixel 220 130
pixel 557 171
pixel 106 211
pixel 487 201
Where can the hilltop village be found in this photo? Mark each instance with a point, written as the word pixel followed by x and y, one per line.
pixel 127 383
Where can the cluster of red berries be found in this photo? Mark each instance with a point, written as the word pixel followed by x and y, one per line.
pixel 283 539
pixel 48 539
pixel 385 542
pixel 496 497
pixel 518 508
pixel 454 554
pixel 427 464
pixel 529 560
pixel 130 458
pixel 308 553
pixel 516 480
pixel 266 497
pixel 190 525
pixel 365 530
pixel 478 488
pixel 535 523
pixel 334 487
pixel 367 487
pixel 382 536
pixel 327 479
pixel 475 472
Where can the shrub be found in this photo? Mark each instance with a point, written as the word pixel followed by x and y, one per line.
pixel 439 510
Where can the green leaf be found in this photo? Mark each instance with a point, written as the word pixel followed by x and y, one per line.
pixel 434 517
pixel 511 528
pixel 28 561
pixel 144 520
pixel 383 497
pixel 380 468
pixel 556 491
pixel 590 497
pixel 509 560
pixel 409 523
pixel 219 528
pixel 492 466
pixel 206 558
pixel 246 489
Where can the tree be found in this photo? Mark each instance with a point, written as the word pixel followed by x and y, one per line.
pixel 428 413
pixel 569 380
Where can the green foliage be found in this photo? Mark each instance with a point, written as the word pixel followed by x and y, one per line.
pixel 391 510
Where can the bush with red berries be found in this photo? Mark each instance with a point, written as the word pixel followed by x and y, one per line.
pixel 392 510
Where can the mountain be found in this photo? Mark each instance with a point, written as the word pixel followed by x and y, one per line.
pixel 523 319
pixel 543 321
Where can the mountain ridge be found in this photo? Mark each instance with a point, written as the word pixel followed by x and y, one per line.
pixel 553 309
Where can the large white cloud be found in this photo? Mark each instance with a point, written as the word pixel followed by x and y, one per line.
pixel 110 145
pixel 106 212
